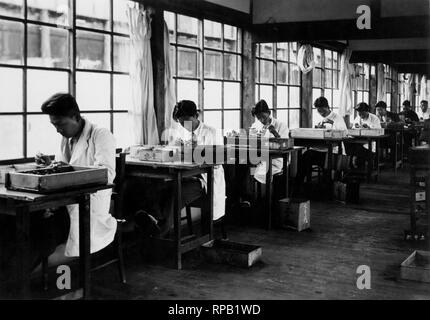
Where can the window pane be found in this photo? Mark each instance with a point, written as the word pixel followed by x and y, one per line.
pixel 231 67
pixel 10 90
pixel 316 78
pixel 102 120
pixel 212 34
pixel 282 115
pixel 328 78
pixel 294 74
pixel 93 91
pixel 317 57
pixel 294 97
pixel 12 42
pixel 48 47
pixel 120 20
pixel 282 69
pixel 188 30
pixel 93 14
pixel 122 130
pixel 121 92
pixel 335 79
pixel 169 17
pixel 366 97
pixel 232 95
pixel 188 62
pixel 56 11
pixel 12 8
pixel 121 51
pixel 188 90
pixel 11 133
pixel 257 93
pixel 266 71
pixel 294 119
pixel 42 136
pixel 266 93
pixel 316 93
pixel 213 64
pixel 328 96
pixel 293 52
pixel 336 99
pixel 282 51
pixel 328 59
pixel 257 70
pixel 213 119
pixel 213 95
pixel 266 50
pixel 231 41
pixel 92 50
pixel 232 120
pixel 316 117
pixel 282 97
pixel 42 84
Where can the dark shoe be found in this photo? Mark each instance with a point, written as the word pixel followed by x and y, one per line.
pixel 146 223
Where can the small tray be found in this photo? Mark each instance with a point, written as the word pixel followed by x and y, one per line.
pixel 234 253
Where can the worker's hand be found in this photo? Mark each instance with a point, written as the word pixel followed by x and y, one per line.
pixel 357 125
pixel 42 159
pixel 365 126
pixel 273 131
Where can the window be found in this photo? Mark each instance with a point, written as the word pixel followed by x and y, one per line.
pixel 360 83
pixel 38 58
pixel 278 80
pixel 206 59
pixel 325 80
pixel 388 74
pixel 401 87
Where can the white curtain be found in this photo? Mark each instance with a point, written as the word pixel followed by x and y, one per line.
pixel 305 58
pixel 423 88
pixel 345 84
pixel 380 88
pixel 144 123
pixel 409 90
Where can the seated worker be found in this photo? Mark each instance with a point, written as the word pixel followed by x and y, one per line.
pixel 317 156
pixel 185 113
pixel 408 114
pixel 270 128
pixel 425 134
pixel 384 115
pixel 84 144
pixel 365 120
pixel 425 111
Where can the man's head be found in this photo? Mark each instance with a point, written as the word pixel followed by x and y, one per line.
pixel 424 105
pixel 363 110
pixel 406 105
pixel 321 104
pixel 262 112
pixel 64 114
pixel 186 111
pixel 381 108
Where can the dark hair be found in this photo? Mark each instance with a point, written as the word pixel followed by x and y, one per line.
pixel 321 102
pixel 424 102
pixel 381 104
pixel 362 106
pixel 406 103
pixel 61 104
pixel 185 108
pixel 260 107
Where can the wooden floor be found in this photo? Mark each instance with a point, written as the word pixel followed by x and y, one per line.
pixel 318 264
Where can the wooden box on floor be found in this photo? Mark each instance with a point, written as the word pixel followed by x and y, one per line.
pixel 416 267
pixel 234 253
pixel 295 214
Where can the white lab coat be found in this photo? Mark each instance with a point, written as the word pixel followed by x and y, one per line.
pixel 338 124
pixel 424 115
pixel 95 147
pixel 206 135
pixel 277 164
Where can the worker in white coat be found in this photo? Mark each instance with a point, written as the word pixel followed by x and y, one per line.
pixel 270 128
pixel 84 144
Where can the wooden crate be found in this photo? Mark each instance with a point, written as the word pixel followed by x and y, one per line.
pixel 281 143
pixel 295 213
pixel 68 177
pixel 317 133
pixel 372 132
pixel 234 253
pixel 155 153
pixel 416 267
